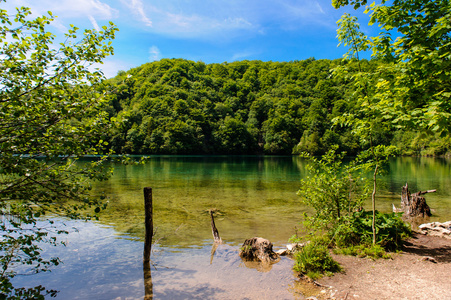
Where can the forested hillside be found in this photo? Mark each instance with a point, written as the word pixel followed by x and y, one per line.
pixel 176 106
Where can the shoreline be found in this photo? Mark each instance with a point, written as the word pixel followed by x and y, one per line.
pixel 419 271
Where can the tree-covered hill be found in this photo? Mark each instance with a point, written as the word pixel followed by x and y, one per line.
pixel 176 106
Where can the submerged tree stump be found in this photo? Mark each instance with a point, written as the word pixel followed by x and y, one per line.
pixel 258 249
pixel 414 205
pixel 214 230
pixel 217 239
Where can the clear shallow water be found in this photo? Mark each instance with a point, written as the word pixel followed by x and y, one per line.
pixel 254 196
pixel 101 264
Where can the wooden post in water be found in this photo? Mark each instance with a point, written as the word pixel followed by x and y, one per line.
pixel 148 286
pixel 216 237
pixel 148 222
pixel 214 230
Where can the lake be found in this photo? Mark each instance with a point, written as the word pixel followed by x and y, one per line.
pixel 252 196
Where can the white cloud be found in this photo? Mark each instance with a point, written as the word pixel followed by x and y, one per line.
pixel 308 9
pixel 222 20
pixel 210 19
pixel 79 8
pixel 59 25
pixel 320 8
pixel 155 53
pixel 296 15
pixel 198 26
pixel 94 23
pixel 70 8
pixel 243 55
pixel 137 8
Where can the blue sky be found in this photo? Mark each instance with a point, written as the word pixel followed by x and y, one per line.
pixel 212 31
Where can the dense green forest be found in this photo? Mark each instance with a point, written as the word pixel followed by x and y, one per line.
pixel 177 106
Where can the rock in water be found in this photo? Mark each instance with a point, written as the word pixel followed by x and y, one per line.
pixel 258 249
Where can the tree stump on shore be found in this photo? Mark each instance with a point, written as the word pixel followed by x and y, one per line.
pixel 414 205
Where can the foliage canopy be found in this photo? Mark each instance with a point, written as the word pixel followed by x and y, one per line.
pixel 51 113
pixel 412 89
pixel 176 106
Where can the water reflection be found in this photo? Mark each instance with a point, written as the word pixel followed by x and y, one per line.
pixel 214 247
pixel 258 265
pixel 148 286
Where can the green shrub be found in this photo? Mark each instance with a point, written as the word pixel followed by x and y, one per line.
pixel 390 230
pixel 333 189
pixel 314 260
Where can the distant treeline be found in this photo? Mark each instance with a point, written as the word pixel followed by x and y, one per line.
pixel 176 106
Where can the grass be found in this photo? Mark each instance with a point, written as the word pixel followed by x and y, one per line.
pixel 314 261
pixel 370 251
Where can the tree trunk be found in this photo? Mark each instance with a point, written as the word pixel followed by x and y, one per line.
pixel 413 205
pixel 373 205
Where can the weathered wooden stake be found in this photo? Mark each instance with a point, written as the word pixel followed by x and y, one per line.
pixel 216 237
pixel 148 223
pixel 148 286
pixel 214 230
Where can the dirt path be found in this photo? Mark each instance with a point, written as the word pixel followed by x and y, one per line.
pixel 408 275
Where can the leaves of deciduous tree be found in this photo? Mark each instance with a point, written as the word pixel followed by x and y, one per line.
pixel 51 114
